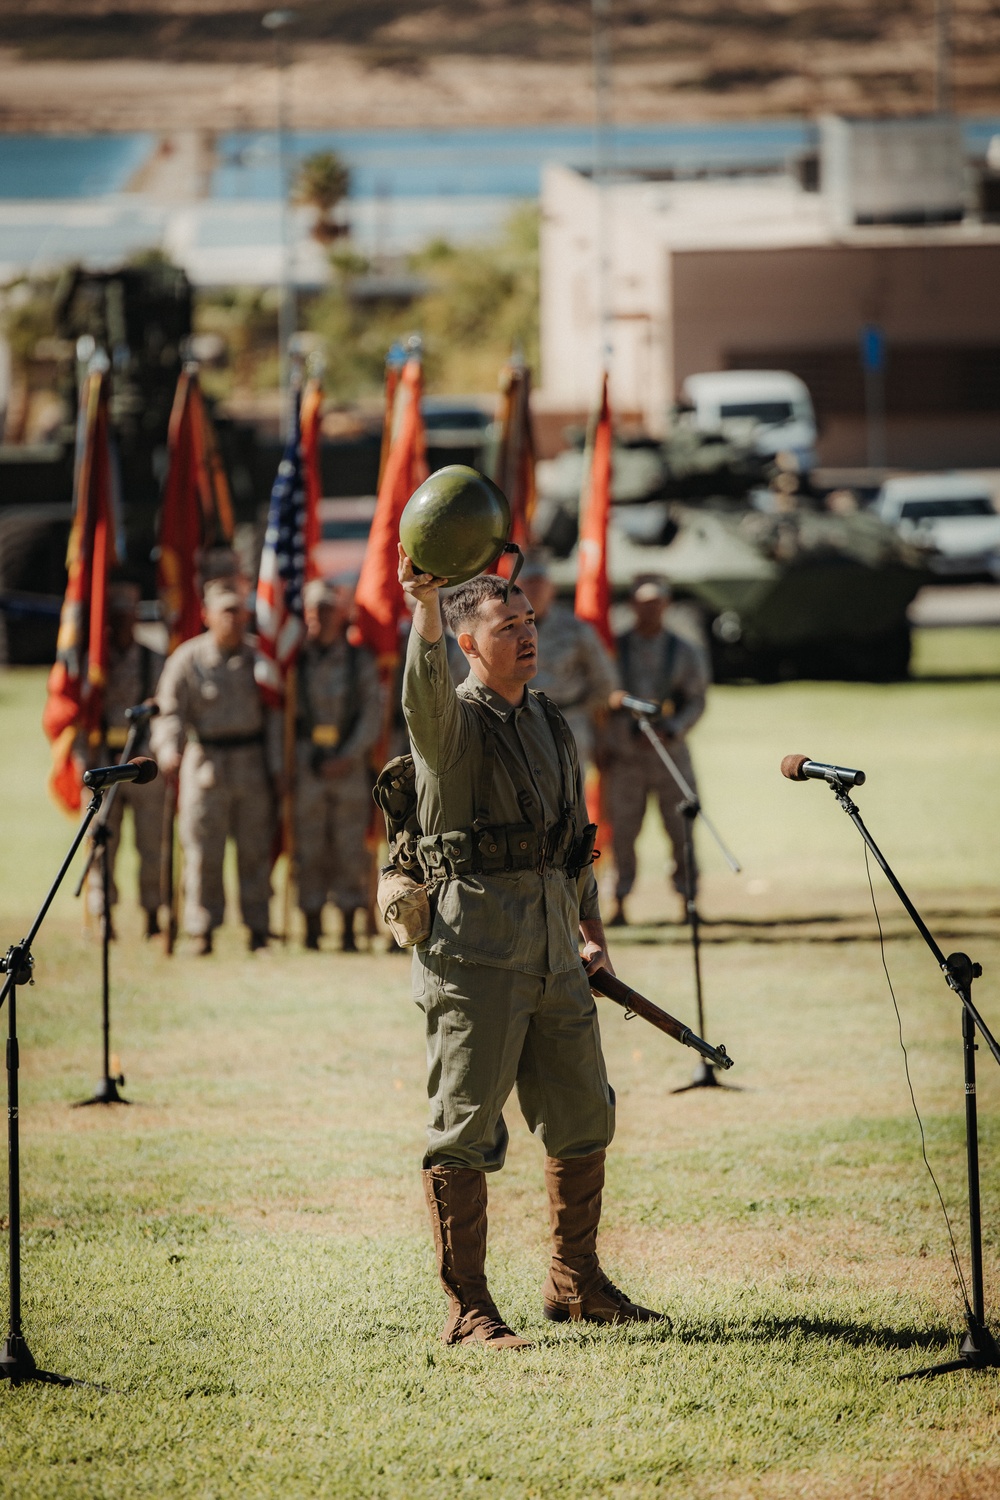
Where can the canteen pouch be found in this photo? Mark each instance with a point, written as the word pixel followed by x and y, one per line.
pixel 404 906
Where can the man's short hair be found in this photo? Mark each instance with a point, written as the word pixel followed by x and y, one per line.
pixel 461 605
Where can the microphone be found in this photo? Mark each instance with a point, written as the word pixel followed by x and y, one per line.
pixel 801 768
pixel 140 770
pixel 642 706
pixel 142 711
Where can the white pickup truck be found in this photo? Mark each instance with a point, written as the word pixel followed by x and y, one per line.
pixel 953 517
pixel 770 409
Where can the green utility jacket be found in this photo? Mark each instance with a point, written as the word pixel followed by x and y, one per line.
pixel 525 920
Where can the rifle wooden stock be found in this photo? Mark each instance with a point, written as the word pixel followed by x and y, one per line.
pixel 609 985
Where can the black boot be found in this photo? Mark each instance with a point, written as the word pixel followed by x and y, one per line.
pixel 152 922
pixel 314 930
pixel 347 943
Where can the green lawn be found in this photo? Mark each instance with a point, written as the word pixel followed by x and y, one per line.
pixel 242 1257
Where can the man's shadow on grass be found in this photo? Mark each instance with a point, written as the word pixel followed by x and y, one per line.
pixel 762 1330
pixel 838 1330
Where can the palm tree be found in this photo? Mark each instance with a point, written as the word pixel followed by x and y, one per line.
pixel 322 182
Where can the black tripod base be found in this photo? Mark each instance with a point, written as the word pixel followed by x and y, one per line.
pixel 705 1077
pixel 105 1093
pixel 977 1351
pixel 18 1366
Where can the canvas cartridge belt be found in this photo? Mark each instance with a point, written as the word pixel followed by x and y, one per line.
pixel 503 848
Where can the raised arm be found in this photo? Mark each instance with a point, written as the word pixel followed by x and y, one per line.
pixel 422 590
pixel 434 721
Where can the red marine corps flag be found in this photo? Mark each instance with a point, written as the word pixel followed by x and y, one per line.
pixel 379 597
pixel 196 512
pixel 515 467
pixel 77 679
pixel 593 591
pixel 310 421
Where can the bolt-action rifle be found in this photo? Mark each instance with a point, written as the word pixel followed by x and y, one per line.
pixel 607 984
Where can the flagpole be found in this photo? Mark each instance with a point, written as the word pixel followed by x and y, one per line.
pixel 601 48
pixel 288 800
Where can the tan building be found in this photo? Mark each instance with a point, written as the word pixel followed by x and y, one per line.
pixel 758 273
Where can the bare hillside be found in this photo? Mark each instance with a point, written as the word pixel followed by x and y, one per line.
pixel 208 63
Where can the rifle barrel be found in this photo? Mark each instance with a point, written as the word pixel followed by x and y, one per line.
pixel 613 988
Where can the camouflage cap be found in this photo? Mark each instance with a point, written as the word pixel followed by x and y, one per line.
pixel 317 592
pixel 646 589
pixel 222 593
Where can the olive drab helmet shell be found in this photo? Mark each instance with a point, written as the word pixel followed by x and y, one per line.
pixel 456 524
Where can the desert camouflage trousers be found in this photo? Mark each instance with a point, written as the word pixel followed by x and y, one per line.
pixel 631 781
pixel 225 793
pixel 146 803
pixel 332 859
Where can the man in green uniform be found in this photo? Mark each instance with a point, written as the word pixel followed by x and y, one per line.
pixel 500 978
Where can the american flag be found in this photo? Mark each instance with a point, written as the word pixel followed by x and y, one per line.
pixel 280 624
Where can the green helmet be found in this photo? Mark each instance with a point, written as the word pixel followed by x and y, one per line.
pixel 456 524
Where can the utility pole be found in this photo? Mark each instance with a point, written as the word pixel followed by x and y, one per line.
pixel 277 22
pixel 603 127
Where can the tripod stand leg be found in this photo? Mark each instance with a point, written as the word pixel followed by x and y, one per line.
pixel 107 1086
pixel 16 1361
pixel 978 1350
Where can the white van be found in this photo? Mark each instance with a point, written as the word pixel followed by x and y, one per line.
pixel 771 409
pixel 953 516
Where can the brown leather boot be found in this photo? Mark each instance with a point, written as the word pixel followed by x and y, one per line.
pixel 576 1287
pixel 456 1197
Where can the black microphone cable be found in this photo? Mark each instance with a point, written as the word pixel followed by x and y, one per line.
pixel 956 1262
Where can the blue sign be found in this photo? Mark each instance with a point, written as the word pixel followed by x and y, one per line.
pixel 873 348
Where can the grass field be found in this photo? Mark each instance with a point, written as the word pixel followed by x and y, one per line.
pixel 242 1257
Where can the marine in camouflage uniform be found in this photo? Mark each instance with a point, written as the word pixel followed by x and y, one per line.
pixel 133 673
pixel 339 703
pixel 574 668
pixel 211 725
pixel 660 667
pixel 507 849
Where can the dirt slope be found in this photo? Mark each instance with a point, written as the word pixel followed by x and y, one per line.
pixel 162 64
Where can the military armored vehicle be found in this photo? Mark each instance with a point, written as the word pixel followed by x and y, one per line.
pixel 779 595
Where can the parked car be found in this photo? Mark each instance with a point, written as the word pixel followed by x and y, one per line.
pixel 770 409
pixel 952 518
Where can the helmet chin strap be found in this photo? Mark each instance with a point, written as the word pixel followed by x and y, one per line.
pixel 519 564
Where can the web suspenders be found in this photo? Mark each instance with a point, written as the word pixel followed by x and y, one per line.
pixel 493 746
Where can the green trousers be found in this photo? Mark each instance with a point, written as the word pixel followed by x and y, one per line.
pixel 490 1030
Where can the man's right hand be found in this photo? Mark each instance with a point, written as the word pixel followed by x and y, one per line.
pixel 169 762
pixel 421 589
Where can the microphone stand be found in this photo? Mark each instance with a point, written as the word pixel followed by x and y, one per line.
pixel 978 1350
pixel 16 1362
pixel 705 1076
pixel 107 1086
